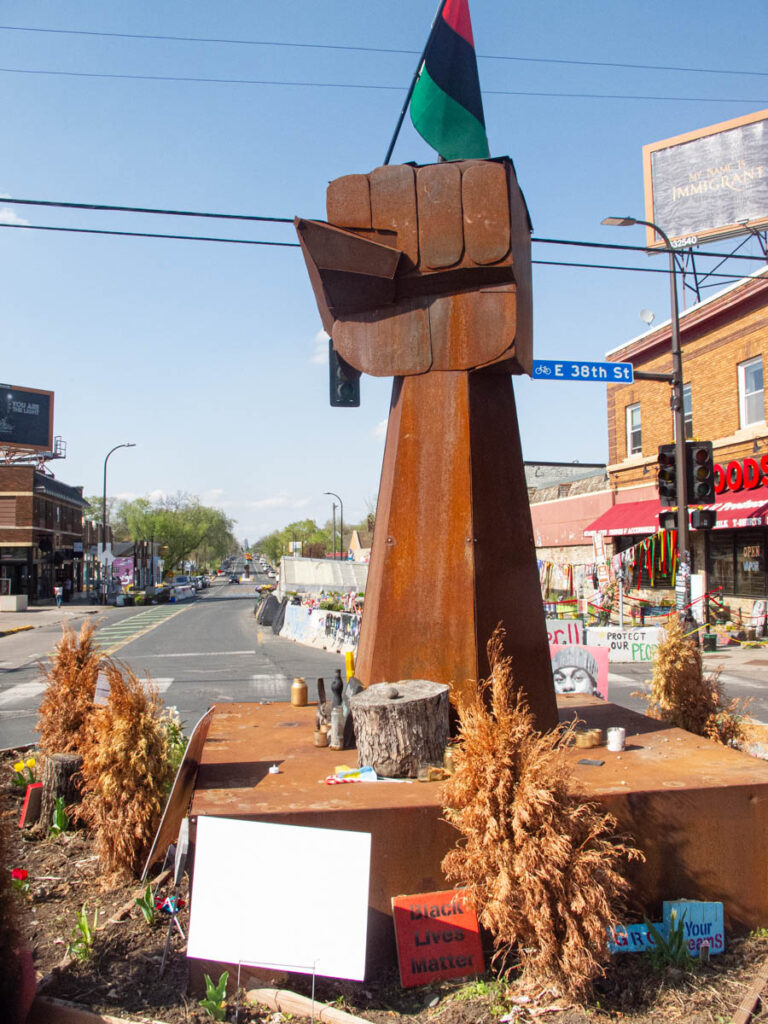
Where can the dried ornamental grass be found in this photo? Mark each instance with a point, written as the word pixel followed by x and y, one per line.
pixel 544 867
pixel 682 696
pixel 68 697
pixel 125 771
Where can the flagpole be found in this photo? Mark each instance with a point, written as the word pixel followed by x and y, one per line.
pixel 414 80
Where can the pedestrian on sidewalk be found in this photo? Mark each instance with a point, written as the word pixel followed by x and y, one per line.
pixel 58 593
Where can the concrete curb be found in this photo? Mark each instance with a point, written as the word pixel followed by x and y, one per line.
pixel 15 629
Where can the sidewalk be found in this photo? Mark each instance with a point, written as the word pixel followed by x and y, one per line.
pixel 35 616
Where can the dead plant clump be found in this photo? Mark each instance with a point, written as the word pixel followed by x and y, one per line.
pixel 683 696
pixel 126 771
pixel 68 698
pixel 544 867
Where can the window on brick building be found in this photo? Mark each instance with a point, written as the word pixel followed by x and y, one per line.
pixel 687 414
pixel 751 398
pixel 634 430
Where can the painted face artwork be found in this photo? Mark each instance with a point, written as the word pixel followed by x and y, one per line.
pixel 572 679
pixel 574 670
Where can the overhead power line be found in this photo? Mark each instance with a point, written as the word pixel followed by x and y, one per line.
pixel 357 85
pixel 150 234
pixel 295 245
pixel 146 209
pixel 105 207
pixel 375 49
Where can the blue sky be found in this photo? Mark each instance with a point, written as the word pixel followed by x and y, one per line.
pixel 207 355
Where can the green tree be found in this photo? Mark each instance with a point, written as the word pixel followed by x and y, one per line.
pixel 187 529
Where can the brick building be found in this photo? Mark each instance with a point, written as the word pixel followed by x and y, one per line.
pixel 724 341
pixel 41 533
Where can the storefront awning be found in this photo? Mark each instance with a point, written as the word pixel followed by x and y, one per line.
pixel 631 517
pixel 735 510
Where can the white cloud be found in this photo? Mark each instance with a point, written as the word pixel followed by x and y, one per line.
pixel 380 430
pixel 320 350
pixel 8 216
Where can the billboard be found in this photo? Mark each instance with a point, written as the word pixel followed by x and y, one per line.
pixel 26 418
pixel 710 183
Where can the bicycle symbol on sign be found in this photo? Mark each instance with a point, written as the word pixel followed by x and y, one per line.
pixel 540 370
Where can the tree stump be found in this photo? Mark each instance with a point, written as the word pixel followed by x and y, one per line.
pixel 61 777
pixel 399 726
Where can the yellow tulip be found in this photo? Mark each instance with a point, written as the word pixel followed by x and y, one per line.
pixel 19 766
pixel 30 762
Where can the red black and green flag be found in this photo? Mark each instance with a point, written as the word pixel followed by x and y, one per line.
pixel 446 105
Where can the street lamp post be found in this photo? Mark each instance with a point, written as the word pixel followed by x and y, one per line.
pixel 332 494
pixel 677 402
pixel 129 444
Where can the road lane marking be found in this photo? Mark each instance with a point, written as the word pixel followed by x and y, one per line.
pixel 22 691
pixel 196 654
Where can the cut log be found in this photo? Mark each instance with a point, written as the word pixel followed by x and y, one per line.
pixel 399 726
pixel 61 777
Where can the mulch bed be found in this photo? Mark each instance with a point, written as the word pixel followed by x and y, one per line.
pixel 122 976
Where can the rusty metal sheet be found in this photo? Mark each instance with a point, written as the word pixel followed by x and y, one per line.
pixel 469 328
pixel 386 345
pixel 484 195
pixel 441 235
pixel 333 248
pixel 393 207
pixel 348 201
pixel 521 265
pixel 179 798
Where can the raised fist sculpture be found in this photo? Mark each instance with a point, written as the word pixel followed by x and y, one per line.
pixel 424 274
pixel 425 268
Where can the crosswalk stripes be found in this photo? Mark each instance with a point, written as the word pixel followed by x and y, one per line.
pixel 113 636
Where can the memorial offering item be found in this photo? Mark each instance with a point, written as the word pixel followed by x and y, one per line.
pixel 423 274
pixel 337 714
pixel 323 713
pixel 401 727
pixel 299 692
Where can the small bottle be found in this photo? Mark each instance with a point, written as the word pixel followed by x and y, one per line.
pixel 337 728
pixel 299 692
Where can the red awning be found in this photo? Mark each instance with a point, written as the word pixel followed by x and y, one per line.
pixel 735 510
pixel 631 517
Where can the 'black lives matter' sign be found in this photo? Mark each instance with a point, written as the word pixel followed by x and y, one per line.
pixel 437 937
pixel 26 417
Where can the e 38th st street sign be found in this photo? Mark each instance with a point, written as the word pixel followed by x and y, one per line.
pixel 603 373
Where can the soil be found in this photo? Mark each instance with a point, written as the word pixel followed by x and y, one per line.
pixel 122 975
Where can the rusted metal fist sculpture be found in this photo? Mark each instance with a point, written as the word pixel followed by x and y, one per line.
pixel 424 274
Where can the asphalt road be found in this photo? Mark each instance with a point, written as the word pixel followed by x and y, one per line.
pixel 210 650
pixel 199 653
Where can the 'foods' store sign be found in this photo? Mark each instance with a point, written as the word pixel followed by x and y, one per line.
pixel 741 474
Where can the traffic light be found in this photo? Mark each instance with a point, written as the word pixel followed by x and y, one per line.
pixel 703 519
pixel 699 472
pixel 667 476
pixel 345 380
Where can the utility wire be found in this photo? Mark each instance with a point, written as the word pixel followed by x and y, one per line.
pixel 356 85
pixel 374 49
pixel 295 245
pixel 289 220
pixel 145 209
pixel 149 234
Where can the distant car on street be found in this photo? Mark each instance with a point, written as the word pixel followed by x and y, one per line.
pixel 234 578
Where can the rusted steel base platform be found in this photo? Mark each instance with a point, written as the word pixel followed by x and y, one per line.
pixel 699 811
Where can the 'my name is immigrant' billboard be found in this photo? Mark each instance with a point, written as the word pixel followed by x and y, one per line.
pixel 26 417
pixel 710 183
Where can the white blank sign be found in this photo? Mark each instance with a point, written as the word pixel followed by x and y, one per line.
pixel 280 895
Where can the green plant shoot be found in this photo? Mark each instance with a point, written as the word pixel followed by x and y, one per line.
pixel 213 1004
pixel 672 950
pixel 146 905
pixel 59 819
pixel 83 934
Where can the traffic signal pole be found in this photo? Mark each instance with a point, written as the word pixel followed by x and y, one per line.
pixel 676 379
